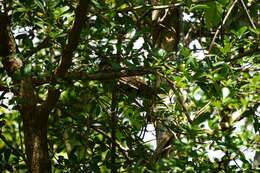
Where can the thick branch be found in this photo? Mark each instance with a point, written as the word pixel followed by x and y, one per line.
pixel 46 42
pixel 8 47
pixel 73 38
pixel 67 53
pixel 108 75
pixel 7 42
pixel 52 98
pixel 95 76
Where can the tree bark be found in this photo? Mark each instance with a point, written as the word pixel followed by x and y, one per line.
pixel 35 115
pixel 35 126
pixel 34 121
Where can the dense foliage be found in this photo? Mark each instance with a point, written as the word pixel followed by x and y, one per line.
pixel 100 89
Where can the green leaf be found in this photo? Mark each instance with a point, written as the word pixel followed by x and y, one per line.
pixel 158 52
pixel 224 2
pixel 241 31
pixel 199 6
pixel 21 10
pixel 213 14
pixel 39 4
pixel 3 110
pixel 201 118
pixel 59 11
pixel 27 69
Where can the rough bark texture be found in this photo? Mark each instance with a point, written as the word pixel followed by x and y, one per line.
pixel 34 121
pixel 35 115
pixel 35 137
pixel 35 125
pixel 8 47
pixel 7 44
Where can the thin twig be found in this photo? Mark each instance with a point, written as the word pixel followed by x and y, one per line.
pixel 202 110
pixel 248 15
pixel 17 152
pixel 109 138
pixel 220 26
pixel 151 7
pixel 179 97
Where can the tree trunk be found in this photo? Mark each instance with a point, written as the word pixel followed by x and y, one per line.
pixel 34 114
pixel 35 137
pixel 34 120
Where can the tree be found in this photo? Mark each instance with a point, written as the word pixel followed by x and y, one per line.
pixel 82 94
